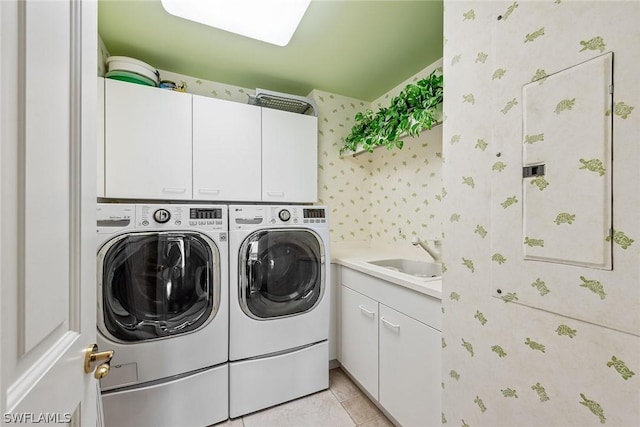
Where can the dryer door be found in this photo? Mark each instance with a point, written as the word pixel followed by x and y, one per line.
pixel 156 285
pixel 281 273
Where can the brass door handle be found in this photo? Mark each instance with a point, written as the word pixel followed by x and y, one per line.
pixel 93 356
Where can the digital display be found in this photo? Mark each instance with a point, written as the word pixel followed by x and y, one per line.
pixel 313 213
pixel 201 213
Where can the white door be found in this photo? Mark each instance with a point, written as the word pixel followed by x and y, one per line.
pixel 47 210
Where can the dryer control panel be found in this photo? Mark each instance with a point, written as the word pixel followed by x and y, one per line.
pixel 250 217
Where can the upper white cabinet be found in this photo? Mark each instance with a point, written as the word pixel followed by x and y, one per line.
pixel 161 144
pixel 226 150
pixel 100 151
pixel 289 157
pixel 148 142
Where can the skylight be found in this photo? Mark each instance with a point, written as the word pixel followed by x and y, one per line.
pixel 271 21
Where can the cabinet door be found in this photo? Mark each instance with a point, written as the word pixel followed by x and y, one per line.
pixel 409 369
pixel 148 142
pixel 289 157
pixel 226 150
pixel 359 340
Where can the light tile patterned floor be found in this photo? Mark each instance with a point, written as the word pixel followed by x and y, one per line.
pixel 343 405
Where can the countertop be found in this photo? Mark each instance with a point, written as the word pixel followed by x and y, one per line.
pixel 355 255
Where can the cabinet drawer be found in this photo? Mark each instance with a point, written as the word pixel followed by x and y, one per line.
pixel 414 304
pixel 359 339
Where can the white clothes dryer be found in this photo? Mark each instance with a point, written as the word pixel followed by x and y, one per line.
pixel 163 309
pixel 278 304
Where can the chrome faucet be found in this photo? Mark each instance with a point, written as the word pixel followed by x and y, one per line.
pixel 435 253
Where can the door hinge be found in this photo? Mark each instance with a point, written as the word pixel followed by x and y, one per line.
pixel 611 89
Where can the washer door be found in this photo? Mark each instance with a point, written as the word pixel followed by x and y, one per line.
pixel 281 273
pixel 157 285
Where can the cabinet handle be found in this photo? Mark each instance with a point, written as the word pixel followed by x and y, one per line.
pixel 371 313
pixel 208 191
pixel 389 323
pixel 174 190
pixel 275 193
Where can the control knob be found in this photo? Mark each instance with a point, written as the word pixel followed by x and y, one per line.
pixel 284 215
pixel 161 216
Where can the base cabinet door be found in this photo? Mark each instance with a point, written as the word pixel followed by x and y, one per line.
pixel 409 369
pixel 359 339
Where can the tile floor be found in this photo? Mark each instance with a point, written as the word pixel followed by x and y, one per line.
pixel 343 405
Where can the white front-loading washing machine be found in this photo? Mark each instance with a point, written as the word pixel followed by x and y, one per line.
pixel 163 309
pixel 278 304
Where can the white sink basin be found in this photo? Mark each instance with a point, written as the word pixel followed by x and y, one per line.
pixel 418 269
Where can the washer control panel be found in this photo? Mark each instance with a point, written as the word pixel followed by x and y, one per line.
pixel 181 216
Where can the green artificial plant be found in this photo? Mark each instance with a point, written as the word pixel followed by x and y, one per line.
pixel 412 111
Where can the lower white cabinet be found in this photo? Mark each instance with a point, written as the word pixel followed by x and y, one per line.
pixel 390 344
pixel 360 338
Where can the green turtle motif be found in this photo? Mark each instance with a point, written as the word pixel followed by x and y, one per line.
pixel 621 239
pixel 481 144
pixel 480 404
pixel 540 75
pixel 498 166
pixel 454 217
pixel 469 264
pixel 482 57
pixel 594 407
pixel 480 316
pixel 540 182
pixel 469 15
pixel 498 74
pixel 469 98
pixel 469 181
pixel 534 345
pixel 454 296
pixel 509 392
pixel 542 393
pixel 593 165
pixel 621 367
pixel 464 424
pixel 509 201
pixel 596 43
pixel 565 105
pixel 455 60
pixel 530 139
pixel 509 11
pixel 621 109
pixel 444 419
pixel 510 297
pixel 532 36
pixel 566 331
pixel 594 286
pixel 509 106
pixel 481 231
pixel 454 139
pixel 453 374
pixel 468 346
pixel 499 258
pixel 540 286
pixel 498 350
pixel 534 242
pixel 443 342
pixel 565 218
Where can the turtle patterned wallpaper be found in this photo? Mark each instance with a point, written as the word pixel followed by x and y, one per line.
pixel 506 363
